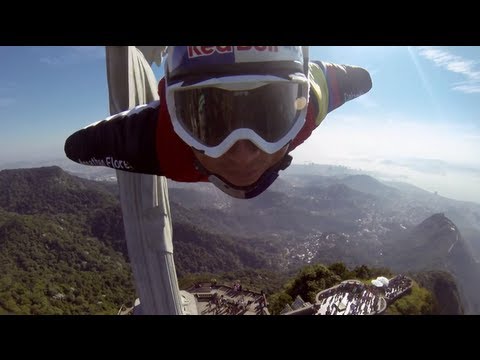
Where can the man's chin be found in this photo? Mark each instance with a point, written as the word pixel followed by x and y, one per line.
pixel 243 180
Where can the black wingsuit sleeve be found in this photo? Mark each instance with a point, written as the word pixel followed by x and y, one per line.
pixel 125 141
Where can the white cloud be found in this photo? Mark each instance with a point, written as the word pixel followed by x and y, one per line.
pixel 51 60
pixel 468 87
pixel 456 64
pixel 390 137
pixel 75 55
pixel 475 137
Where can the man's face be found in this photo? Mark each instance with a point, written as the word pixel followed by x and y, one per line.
pixel 242 164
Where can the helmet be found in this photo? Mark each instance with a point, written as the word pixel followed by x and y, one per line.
pixel 217 95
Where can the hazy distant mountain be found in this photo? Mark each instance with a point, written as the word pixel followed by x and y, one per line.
pixel 369 185
pixel 466 215
pixel 408 188
pixel 429 243
pixel 436 244
pixel 320 169
pixel 100 173
pixel 50 190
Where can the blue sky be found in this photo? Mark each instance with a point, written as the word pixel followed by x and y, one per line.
pixel 420 123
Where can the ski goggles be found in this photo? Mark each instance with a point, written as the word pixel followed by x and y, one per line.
pixel 211 117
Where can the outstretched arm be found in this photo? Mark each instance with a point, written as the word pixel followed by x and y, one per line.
pixel 333 85
pixel 125 141
pixel 344 82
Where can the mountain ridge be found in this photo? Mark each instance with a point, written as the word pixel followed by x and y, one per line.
pixel 277 231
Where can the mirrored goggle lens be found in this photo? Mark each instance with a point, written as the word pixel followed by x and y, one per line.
pixel 210 114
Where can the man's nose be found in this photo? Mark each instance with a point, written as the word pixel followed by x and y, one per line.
pixel 243 152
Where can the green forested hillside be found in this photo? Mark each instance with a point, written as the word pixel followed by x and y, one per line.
pixel 63 251
pixel 419 302
pixel 197 250
pixel 50 190
pixel 443 286
pixel 52 265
